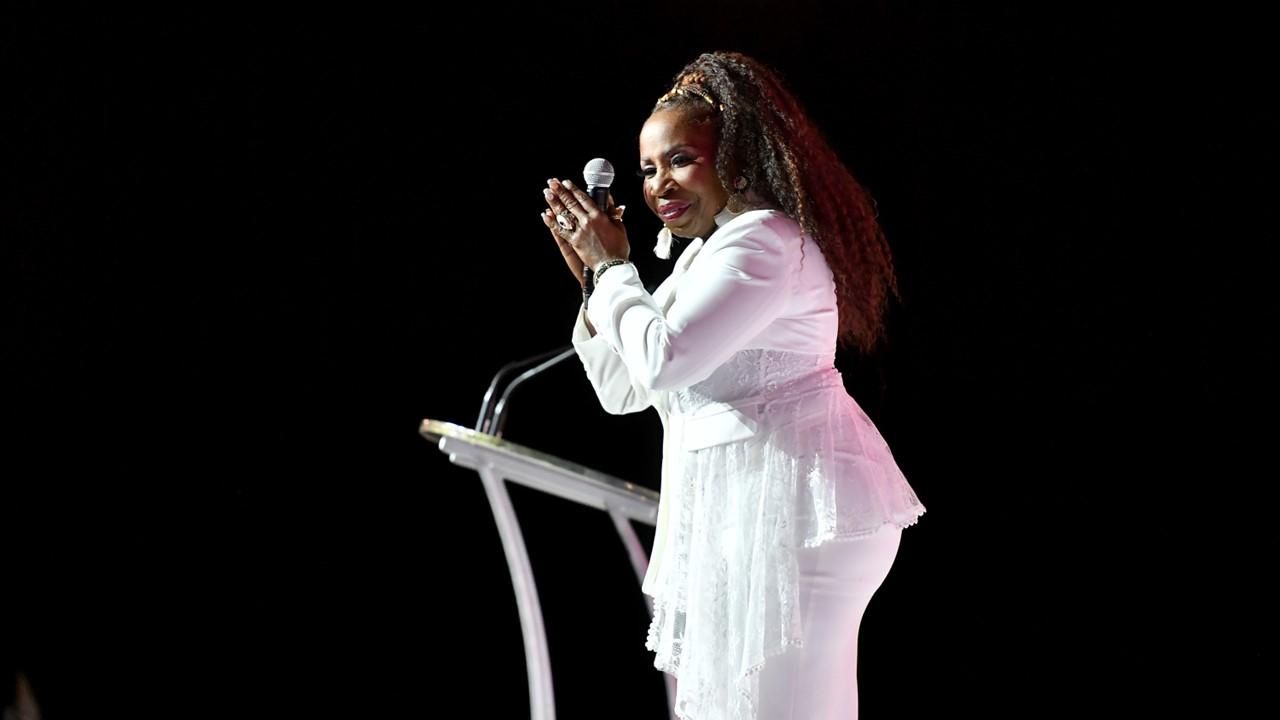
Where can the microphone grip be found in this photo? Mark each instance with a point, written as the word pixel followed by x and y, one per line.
pixel 600 196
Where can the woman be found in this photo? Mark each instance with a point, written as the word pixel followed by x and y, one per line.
pixel 781 505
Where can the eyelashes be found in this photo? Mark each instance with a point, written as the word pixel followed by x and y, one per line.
pixel 678 160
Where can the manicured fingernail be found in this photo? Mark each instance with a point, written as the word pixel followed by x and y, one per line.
pixel 546 192
pixel 568 184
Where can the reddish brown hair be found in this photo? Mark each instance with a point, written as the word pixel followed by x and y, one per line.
pixel 765 133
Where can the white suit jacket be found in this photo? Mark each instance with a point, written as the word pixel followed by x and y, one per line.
pixel 757 282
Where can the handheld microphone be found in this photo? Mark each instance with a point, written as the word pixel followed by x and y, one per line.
pixel 599 176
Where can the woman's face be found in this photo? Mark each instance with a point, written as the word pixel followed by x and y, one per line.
pixel 678 162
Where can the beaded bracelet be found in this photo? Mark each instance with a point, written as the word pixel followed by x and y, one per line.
pixel 606 265
pixel 589 277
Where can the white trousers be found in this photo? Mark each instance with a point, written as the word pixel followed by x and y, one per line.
pixel 820 680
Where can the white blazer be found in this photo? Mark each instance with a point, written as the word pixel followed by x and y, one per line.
pixel 757 282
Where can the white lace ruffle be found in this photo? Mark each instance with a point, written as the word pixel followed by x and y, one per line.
pixel 817 470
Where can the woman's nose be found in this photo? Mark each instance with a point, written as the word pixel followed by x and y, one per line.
pixel 662 181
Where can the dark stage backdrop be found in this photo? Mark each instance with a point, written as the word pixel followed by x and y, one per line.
pixel 306 230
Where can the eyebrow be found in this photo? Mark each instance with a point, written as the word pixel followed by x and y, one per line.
pixel 667 152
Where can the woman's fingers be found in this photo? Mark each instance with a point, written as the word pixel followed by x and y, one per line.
pixel 549 219
pixel 583 199
pixel 571 199
pixel 553 201
pixel 566 250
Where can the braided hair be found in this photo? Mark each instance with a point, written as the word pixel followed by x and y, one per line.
pixel 766 137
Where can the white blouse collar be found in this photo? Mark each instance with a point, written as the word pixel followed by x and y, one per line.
pixel 663 248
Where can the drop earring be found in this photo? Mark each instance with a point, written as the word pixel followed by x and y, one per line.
pixel 737 203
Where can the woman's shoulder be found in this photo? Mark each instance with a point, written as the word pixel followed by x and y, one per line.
pixel 766 224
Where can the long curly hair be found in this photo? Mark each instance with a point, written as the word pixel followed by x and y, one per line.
pixel 765 134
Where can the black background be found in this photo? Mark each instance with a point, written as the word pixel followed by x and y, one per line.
pixel 249 251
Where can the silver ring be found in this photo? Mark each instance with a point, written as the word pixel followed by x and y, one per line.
pixel 564 221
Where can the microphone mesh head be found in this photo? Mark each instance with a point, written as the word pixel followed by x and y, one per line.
pixel 598 173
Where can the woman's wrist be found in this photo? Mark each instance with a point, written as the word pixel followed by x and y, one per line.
pixel 589 276
pixel 604 265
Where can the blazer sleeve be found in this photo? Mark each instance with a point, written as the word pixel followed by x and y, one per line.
pixel 619 393
pixel 723 301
